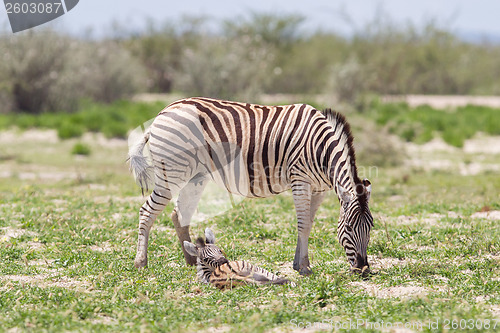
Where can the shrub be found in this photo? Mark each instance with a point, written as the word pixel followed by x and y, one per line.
pixel 422 123
pixel 225 68
pixel 98 71
pixel 44 71
pixel 33 62
pixel 376 147
pixel 347 80
pixel 68 129
pixel 81 149
pixel 115 130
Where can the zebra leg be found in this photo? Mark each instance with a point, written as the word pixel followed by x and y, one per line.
pixel 302 199
pixel 184 209
pixel 153 206
pixel 316 200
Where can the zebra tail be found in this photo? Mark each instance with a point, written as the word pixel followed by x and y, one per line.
pixel 141 169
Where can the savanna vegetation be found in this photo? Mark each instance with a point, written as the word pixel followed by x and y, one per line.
pixel 240 59
pixel 69 206
pixel 68 230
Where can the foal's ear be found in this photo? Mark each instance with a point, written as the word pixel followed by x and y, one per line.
pixel 191 248
pixel 209 236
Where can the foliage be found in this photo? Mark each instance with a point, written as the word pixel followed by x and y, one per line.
pixel 160 49
pixel 422 123
pixel 385 58
pixel 374 147
pixel 81 148
pixel 46 71
pixel 225 68
pixel 240 58
pixel 69 129
pixel 113 120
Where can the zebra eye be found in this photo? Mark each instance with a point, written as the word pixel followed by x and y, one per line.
pixel 348 227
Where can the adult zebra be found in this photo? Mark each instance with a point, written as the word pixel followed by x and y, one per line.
pixel 255 151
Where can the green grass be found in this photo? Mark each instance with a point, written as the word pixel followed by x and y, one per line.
pixel 422 123
pixel 113 120
pixel 68 262
pixel 81 149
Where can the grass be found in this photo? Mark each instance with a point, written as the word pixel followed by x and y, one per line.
pixel 420 124
pixel 423 123
pixel 81 149
pixel 67 246
pixel 113 120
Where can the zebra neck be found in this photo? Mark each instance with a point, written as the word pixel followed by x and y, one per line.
pixel 343 173
pixel 337 152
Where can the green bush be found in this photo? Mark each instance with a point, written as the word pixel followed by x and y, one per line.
pixel 25 121
pixel 45 71
pixel 81 149
pixel 422 123
pixel 259 53
pixel 224 68
pixel 115 130
pixel 454 137
pixel 68 129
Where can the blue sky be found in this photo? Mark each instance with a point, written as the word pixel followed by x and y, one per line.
pixel 462 16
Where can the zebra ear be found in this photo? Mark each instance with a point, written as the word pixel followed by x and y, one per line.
pixel 343 194
pixel 191 248
pixel 209 235
pixel 368 188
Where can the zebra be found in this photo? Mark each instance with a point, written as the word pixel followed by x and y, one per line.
pixel 255 151
pixel 213 267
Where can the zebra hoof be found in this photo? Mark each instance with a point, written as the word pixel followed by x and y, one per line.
pixel 364 272
pixel 305 271
pixel 140 263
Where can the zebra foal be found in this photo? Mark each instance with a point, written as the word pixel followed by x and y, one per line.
pixel 213 267
pixel 254 151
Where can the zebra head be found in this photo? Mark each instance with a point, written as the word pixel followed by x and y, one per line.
pixel 355 223
pixel 208 255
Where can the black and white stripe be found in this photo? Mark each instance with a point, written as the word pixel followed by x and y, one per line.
pixel 213 267
pixel 255 151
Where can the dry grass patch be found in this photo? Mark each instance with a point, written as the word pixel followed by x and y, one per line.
pixel 393 292
pixel 489 215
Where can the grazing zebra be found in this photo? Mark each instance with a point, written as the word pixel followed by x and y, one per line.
pixel 213 267
pixel 255 151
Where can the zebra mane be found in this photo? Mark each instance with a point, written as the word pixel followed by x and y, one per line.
pixel 338 121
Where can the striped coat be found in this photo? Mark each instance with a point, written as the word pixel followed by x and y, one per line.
pixel 254 151
pixel 215 269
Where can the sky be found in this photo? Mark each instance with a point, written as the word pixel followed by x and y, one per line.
pixel 465 17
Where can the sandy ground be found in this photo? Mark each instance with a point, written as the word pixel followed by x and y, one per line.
pixel 470 160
